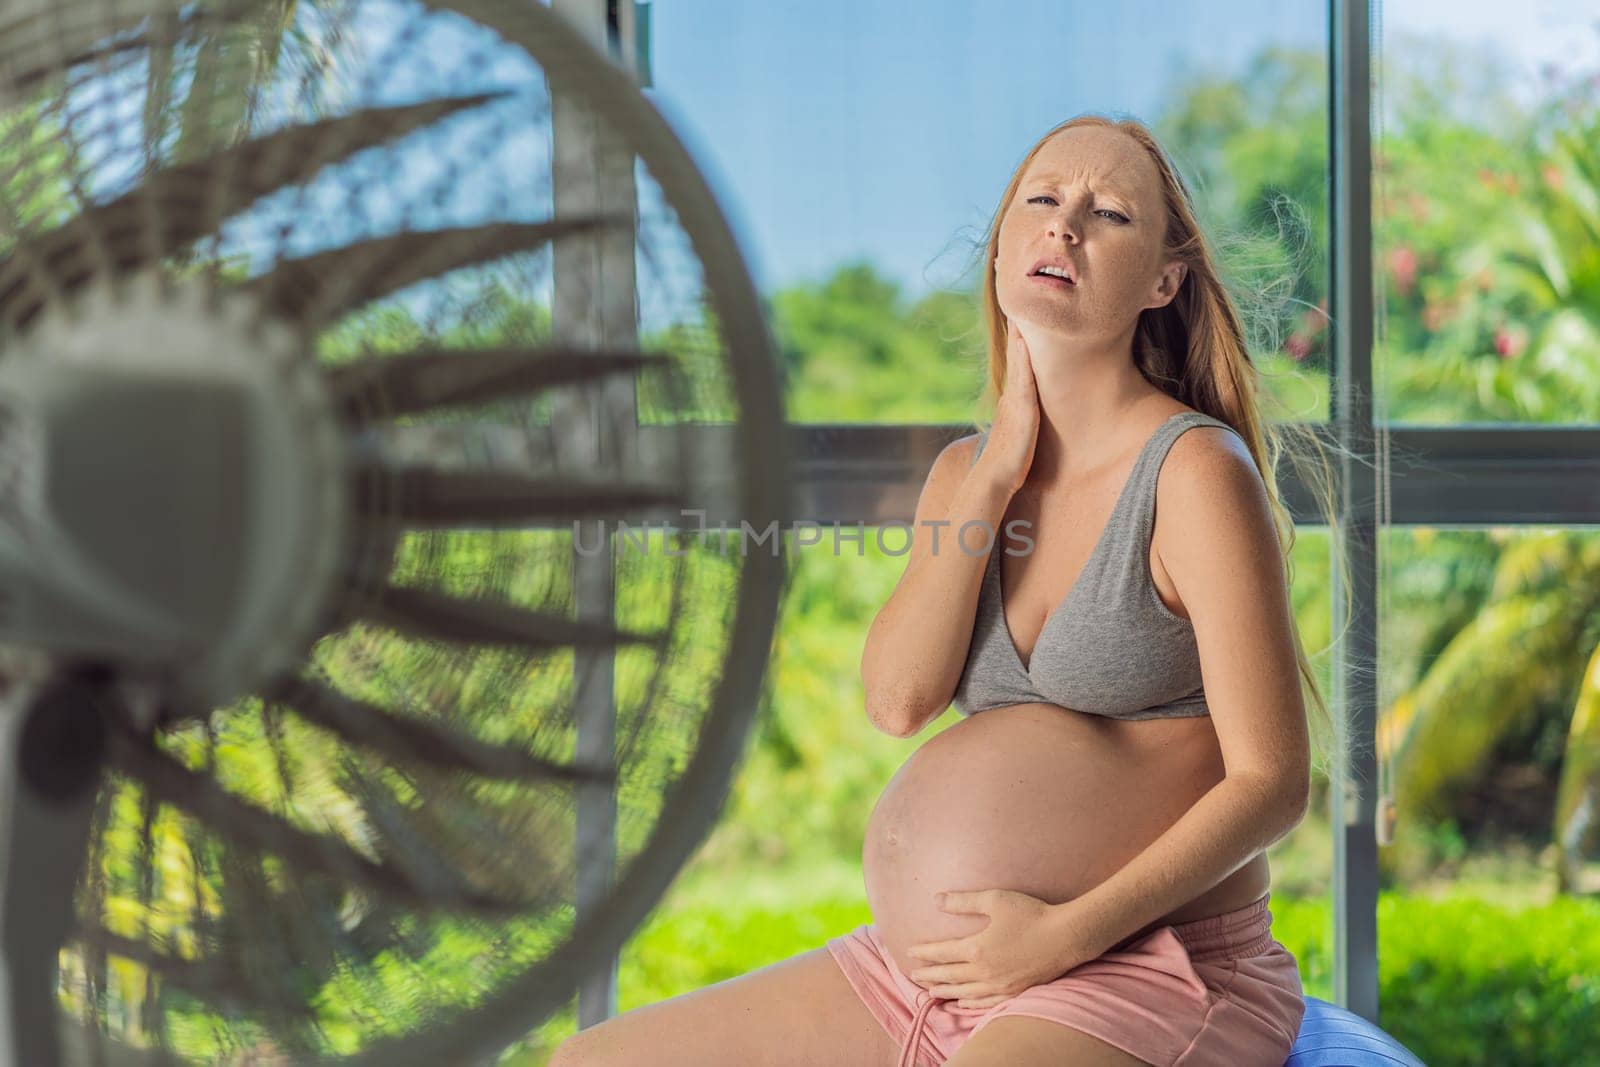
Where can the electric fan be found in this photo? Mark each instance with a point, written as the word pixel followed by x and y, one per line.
pixel 314 412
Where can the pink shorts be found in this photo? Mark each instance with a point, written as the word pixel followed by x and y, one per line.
pixel 1218 990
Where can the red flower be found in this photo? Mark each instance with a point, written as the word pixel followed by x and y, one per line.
pixel 1298 346
pixel 1402 263
pixel 1509 343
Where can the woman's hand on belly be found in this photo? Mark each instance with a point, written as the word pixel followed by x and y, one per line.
pixel 1024 942
pixel 1040 801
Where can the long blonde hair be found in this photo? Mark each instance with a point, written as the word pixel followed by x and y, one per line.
pixel 1194 349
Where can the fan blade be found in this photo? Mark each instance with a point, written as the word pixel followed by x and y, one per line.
pixel 380 929
pixel 261 972
pixel 387 386
pixel 402 737
pixel 57 45
pixel 312 933
pixel 398 841
pixel 173 783
pixel 428 496
pixel 264 164
pixel 491 622
pixel 368 270
pixel 257 167
pixel 451 832
pixel 507 844
pixel 203 979
pixel 85 1042
pixel 258 934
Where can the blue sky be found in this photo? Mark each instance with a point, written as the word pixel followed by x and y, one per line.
pixel 885 129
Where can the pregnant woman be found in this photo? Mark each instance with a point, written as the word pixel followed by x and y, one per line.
pixel 1098 581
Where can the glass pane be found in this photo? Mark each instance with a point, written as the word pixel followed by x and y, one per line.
pixel 1485 207
pixel 1489 730
pixel 860 151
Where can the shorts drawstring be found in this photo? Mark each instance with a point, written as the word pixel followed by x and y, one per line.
pixel 913 1043
pixel 1152 998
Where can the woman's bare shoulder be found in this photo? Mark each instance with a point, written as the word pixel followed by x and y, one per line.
pixel 963 450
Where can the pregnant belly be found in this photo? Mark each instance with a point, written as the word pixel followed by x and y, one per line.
pixel 1033 797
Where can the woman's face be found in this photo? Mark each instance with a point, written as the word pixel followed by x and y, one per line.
pixel 1091 197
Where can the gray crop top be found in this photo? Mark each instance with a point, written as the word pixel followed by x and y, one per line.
pixel 1111 647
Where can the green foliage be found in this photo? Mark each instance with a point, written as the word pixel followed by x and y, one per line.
pixel 1463 981
pixel 1478 690
pixel 852 354
pixel 1467 982
pixel 815 765
pixel 1577 815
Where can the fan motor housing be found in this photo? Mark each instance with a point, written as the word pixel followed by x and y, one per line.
pixel 174 493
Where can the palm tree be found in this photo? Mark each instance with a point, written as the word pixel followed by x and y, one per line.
pixel 234 60
pixel 1577 821
pixel 1553 262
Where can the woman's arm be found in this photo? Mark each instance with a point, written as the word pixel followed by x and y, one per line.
pixel 917 644
pixel 1225 558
